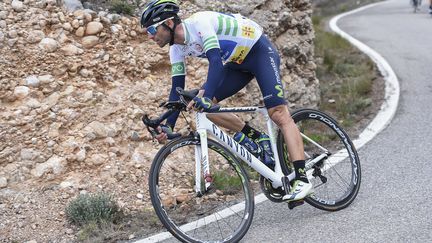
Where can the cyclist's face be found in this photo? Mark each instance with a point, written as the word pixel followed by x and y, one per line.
pixel 162 35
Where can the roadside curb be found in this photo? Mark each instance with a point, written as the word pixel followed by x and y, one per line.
pixel 392 91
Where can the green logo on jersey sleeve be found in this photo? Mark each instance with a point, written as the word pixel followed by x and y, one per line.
pixel 178 69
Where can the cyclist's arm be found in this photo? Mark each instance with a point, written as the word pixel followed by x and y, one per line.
pixel 215 72
pixel 177 81
pixel 178 74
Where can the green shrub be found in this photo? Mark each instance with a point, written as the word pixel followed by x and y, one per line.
pixel 122 7
pixel 228 183
pixel 89 209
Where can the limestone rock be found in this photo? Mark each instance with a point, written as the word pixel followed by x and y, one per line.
pixel 93 28
pixel 48 44
pixel 55 165
pixel 21 92
pixel 3 182
pixel 90 41
pixel 32 81
pixel 72 5
pixel 35 36
pixel 17 6
pixel 71 50
pixel 80 31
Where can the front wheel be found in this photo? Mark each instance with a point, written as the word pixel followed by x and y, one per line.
pixel 336 177
pixel 222 214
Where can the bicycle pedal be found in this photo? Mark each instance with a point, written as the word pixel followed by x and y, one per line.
pixel 294 204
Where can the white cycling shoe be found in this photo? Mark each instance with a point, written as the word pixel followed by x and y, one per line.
pixel 298 191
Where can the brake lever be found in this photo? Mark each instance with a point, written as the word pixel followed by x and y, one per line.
pixel 151 125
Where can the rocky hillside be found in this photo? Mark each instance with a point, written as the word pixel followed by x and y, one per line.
pixel 74 86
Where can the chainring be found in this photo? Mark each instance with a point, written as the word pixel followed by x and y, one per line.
pixel 273 194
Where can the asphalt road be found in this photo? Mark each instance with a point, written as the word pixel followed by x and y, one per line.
pixel 395 200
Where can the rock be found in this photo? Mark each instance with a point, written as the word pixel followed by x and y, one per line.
pixel 55 164
pixel 182 198
pixel 17 6
pixel 114 18
pixel 93 28
pixel 33 103
pixel 51 100
pixel 97 159
pixel 98 129
pixel 53 130
pixel 81 155
pixel 35 36
pixel 3 182
pixel 13 34
pixel 80 31
pixel 90 41
pixel 48 45
pixel 72 5
pixel 3 14
pixel 46 79
pixel 67 27
pixel 32 81
pixel 86 73
pixel 135 136
pixel 28 154
pixel 75 23
pixel 66 184
pixel 21 92
pixel 71 50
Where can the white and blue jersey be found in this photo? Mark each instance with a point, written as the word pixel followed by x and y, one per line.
pixel 234 35
pixel 237 51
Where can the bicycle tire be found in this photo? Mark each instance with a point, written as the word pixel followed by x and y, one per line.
pixel 341 169
pixel 182 217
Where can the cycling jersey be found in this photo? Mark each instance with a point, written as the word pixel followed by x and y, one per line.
pixel 233 34
pixel 226 40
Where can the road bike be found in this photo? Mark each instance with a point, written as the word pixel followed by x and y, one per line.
pixel 201 184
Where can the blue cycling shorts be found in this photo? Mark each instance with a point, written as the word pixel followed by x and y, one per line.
pixel 262 62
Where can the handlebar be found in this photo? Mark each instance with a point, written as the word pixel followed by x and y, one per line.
pixel 185 97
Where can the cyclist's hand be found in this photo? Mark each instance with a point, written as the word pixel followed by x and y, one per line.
pixel 161 137
pixel 202 103
pixel 192 102
pixel 165 132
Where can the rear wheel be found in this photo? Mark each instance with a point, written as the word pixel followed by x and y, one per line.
pixel 335 178
pixel 222 214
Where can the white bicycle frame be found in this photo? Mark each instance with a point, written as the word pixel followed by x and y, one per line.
pixel 202 160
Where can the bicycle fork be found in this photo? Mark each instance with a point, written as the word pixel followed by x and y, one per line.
pixel 202 161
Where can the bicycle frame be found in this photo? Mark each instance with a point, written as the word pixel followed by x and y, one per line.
pixel 205 127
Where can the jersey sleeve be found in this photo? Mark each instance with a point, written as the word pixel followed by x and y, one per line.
pixel 178 67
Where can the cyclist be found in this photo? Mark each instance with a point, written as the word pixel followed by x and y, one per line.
pixel 430 6
pixel 237 51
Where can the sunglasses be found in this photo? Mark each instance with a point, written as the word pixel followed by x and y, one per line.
pixel 152 29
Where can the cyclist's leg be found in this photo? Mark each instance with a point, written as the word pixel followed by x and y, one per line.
pixel 264 64
pixel 265 67
pixel 234 81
